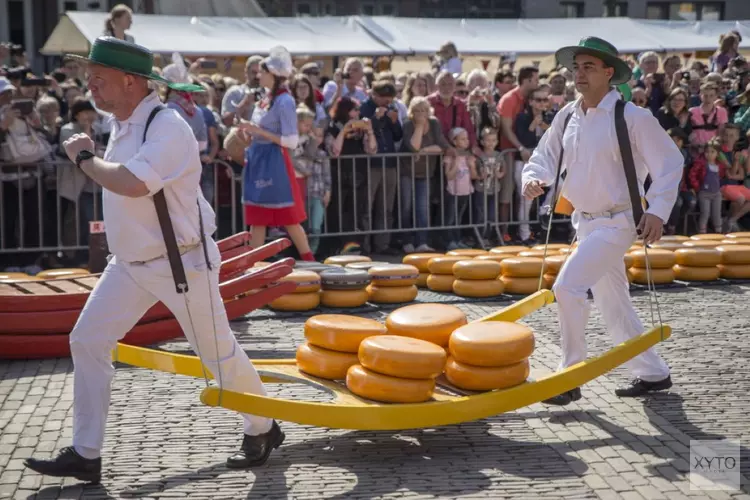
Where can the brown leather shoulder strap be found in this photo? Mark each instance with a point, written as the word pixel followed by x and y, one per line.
pixel 626 151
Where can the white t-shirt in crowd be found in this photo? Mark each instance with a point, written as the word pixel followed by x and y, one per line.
pixel 452 65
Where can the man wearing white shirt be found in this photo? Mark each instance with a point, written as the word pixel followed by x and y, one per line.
pixel 152 156
pixel 350 84
pixel 596 187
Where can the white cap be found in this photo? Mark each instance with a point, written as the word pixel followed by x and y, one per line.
pixel 5 85
pixel 177 71
pixel 279 62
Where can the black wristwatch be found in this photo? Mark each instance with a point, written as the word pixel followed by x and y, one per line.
pixel 83 155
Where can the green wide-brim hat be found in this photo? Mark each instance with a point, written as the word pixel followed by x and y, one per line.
pixel 130 58
pixel 601 49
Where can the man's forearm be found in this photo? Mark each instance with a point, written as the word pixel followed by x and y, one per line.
pixel 114 177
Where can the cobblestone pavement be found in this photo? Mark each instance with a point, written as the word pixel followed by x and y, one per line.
pixel 162 443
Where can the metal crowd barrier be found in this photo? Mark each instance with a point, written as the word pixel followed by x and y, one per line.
pixel 372 195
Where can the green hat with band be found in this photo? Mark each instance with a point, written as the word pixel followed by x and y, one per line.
pixel 130 58
pixel 601 49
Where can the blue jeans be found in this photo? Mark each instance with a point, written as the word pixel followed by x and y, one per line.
pixel 315 216
pixel 207 183
pixel 418 193
pixel 455 207
pixel 484 215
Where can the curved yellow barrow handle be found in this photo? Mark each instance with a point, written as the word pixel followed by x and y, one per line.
pixel 347 411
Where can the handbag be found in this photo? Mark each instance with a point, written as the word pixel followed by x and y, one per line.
pixel 267 182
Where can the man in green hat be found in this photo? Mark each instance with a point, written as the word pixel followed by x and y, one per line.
pixel 582 147
pixel 159 229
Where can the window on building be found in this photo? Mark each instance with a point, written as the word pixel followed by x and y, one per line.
pixel 304 9
pixel 491 9
pixel 615 9
pixel 686 11
pixel 572 9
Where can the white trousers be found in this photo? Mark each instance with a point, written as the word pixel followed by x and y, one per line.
pixel 597 264
pixel 121 297
pixel 524 205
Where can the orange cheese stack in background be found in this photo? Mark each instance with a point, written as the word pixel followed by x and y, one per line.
pixel 420 260
pixel 305 297
pixel 393 283
pixel 441 272
pixel 477 278
pixel 735 261
pixel 697 264
pixel 660 262
pixel 520 275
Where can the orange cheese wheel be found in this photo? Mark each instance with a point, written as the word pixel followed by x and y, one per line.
pixel 440 282
pixel 658 259
pixel 16 276
pixel 701 243
pixel 365 265
pixel 521 286
pixel 734 254
pixel 522 267
pixel 431 322
pixel 741 234
pixel 391 294
pixel 674 237
pixel 736 241
pixel 554 263
pixel 476 270
pixel 343 298
pixel 537 253
pixel 485 378
pixel 340 332
pixel 708 237
pixel 491 343
pixel 696 273
pixel 548 280
pixel 734 271
pixel 509 249
pixel 669 245
pixel 346 259
pixel 324 363
pixel 394 275
pixel 403 357
pixel 444 264
pixel 307 281
pixel 296 302
pixel 495 257
pixel 51 274
pixel 659 276
pixel 697 257
pixel 420 260
pixel 478 288
pixel 629 274
pixel 422 280
pixel 628 260
pixel 468 252
pixel 551 247
pixel 566 251
pixel 634 248
pixel 386 389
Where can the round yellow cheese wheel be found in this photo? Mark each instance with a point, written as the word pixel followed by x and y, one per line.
pixel 346 259
pixel 566 251
pixel 734 271
pixel 634 248
pixel 537 253
pixel 468 252
pixel 478 288
pixel 386 389
pixel 548 280
pixel 674 237
pixel 509 249
pixel 696 273
pixel 734 254
pixel 668 245
pixel 701 243
pixel 736 241
pixel 485 378
pixel 658 259
pixel 431 322
pixel 629 274
pixel 697 257
pixel 296 302
pixel 51 274
pixel 341 332
pixel 492 343
pixel 440 282
pixel 344 298
pixel 394 275
pixel 391 294
pixel 494 257
pixel 554 263
pixel 16 276
pixel 403 357
pixel 521 286
pixel 444 263
pixel 366 265
pixel 420 260
pixel 708 236
pixel 551 247
pixel 742 234
pixel 476 270
pixel 628 260
pixel 422 280
pixel 522 267
pixel 324 363
pixel 659 276
pixel 307 281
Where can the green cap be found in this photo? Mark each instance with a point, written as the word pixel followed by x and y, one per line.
pixel 601 49
pixel 130 58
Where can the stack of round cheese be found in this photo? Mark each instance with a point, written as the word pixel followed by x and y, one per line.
pixel 536 253
pixel 420 260
pixel 736 241
pixel 707 237
pixel 332 344
pixel 305 297
pixel 743 234
pixel 697 264
pixel 489 355
pixel 521 274
pixel 431 322
pixel 441 272
pixel 552 266
pixel 477 278
pixel 628 264
pixel 392 283
pixel 660 261
pixel 396 369
pixel 552 248
pixel 344 287
pixel 508 250
pixel 668 245
pixel 706 243
pixel 735 262
pixel 343 260
pixel 364 266
pixel 468 252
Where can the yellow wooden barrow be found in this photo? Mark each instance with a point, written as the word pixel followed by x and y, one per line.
pixel 449 405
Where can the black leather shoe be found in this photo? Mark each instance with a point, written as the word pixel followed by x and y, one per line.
pixel 255 450
pixel 68 464
pixel 565 398
pixel 640 387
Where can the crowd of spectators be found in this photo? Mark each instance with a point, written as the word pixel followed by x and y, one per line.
pixel 378 151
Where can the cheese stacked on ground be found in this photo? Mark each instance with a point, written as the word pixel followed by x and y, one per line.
pixel 660 261
pixel 305 297
pixel 420 260
pixel 477 278
pixel 697 264
pixel 393 284
pixel 520 275
pixel 441 272
pixel 735 261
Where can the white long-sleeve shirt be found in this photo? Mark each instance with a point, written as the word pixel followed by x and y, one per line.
pixel 595 178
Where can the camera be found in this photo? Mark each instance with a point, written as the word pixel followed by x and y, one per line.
pixel 17 73
pixel 24 106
